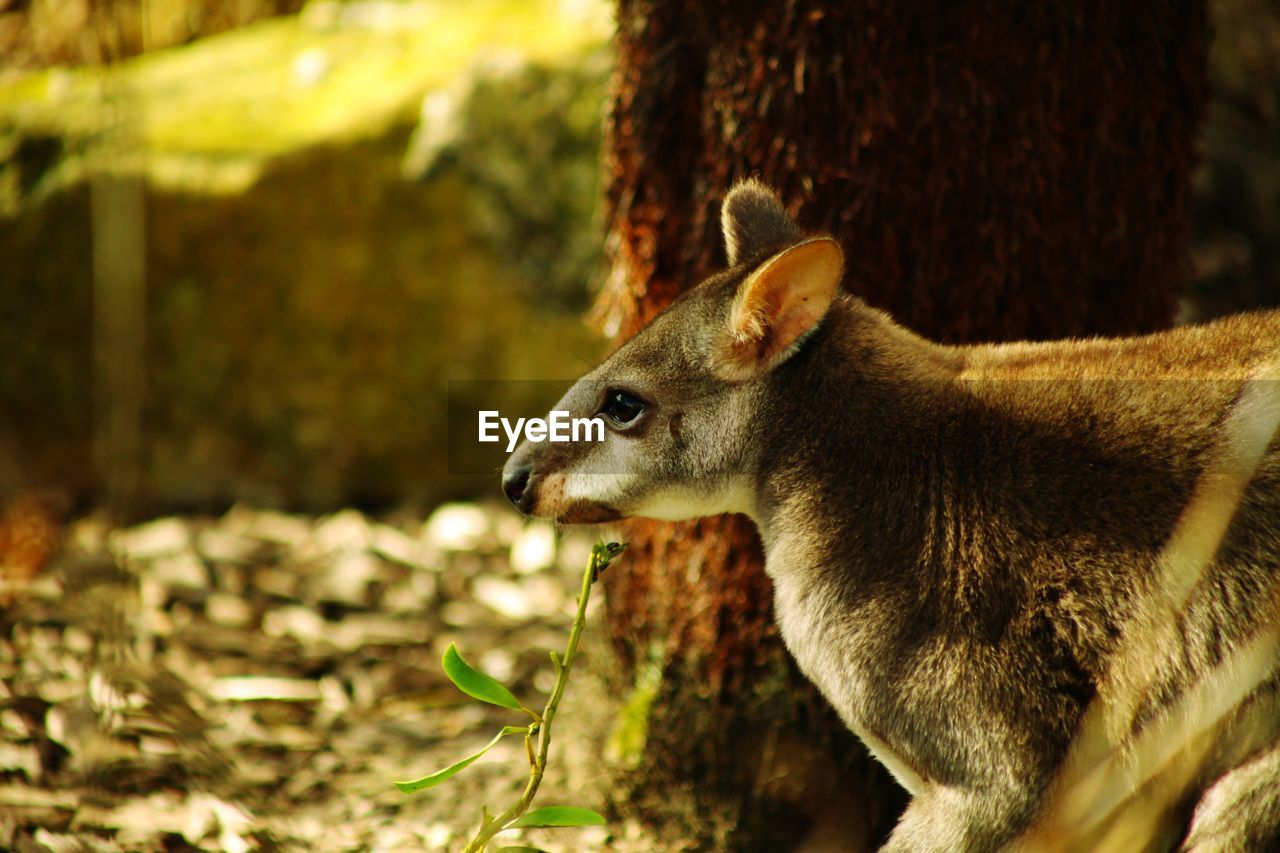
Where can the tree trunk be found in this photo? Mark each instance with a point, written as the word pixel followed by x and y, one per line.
pixel 1015 170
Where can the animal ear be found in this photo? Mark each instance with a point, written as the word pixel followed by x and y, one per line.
pixel 776 307
pixel 754 223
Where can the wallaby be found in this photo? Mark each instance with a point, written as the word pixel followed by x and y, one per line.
pixel 958 536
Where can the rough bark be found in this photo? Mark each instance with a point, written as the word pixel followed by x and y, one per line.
pixel 1014 170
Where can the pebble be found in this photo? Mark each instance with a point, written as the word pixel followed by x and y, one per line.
pixel 343 531
pixel 546 596
pixel 456 527
pixel 233 606
pixel 249 688
pixel 22 758
pixel 229 610
pixel 398 547
pixel 502 596
pixel 278 582
pixel 302 623
pixel 463 614
pixel 437 836
pixel 73 843
pixel 411 595
pixel 498 663
pixel 289 530
pixel 508 524
pixel 153 539
pixel 374 629
pixel 180 571
pixel 346 579
pixel 224 547
pixel 534 549
pixel 538 595
pixel 575 550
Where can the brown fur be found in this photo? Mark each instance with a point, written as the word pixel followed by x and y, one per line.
pixel 958 536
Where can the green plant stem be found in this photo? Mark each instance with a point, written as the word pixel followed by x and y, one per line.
pixel 600 556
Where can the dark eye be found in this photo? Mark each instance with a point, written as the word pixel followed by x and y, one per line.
pixel 622 408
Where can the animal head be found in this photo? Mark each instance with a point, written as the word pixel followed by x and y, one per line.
pixel 682 401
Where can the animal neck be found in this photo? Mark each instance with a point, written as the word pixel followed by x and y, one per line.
pixel 852 461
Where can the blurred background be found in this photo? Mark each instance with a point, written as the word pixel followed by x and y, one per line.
pixel 244 247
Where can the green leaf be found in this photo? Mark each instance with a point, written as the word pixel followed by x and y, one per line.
pixel 454 769
pixel 605 553
pixel 602 555
pixel 559 816
pixel 609 550
pixel 475 683
pixel 518 849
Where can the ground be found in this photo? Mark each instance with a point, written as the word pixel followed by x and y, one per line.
pixel 258 681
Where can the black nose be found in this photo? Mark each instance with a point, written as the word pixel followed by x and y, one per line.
pixel 515 482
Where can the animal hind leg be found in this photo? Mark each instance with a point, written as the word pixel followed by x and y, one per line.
pixel 1241 810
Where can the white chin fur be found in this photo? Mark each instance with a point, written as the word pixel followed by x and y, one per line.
pixel 678 504
pixel 595 488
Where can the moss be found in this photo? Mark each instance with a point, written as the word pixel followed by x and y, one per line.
pixel 630 734
pixel 307 303
pixel 208 116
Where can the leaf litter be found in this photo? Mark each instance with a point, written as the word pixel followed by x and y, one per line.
pixel 257 681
